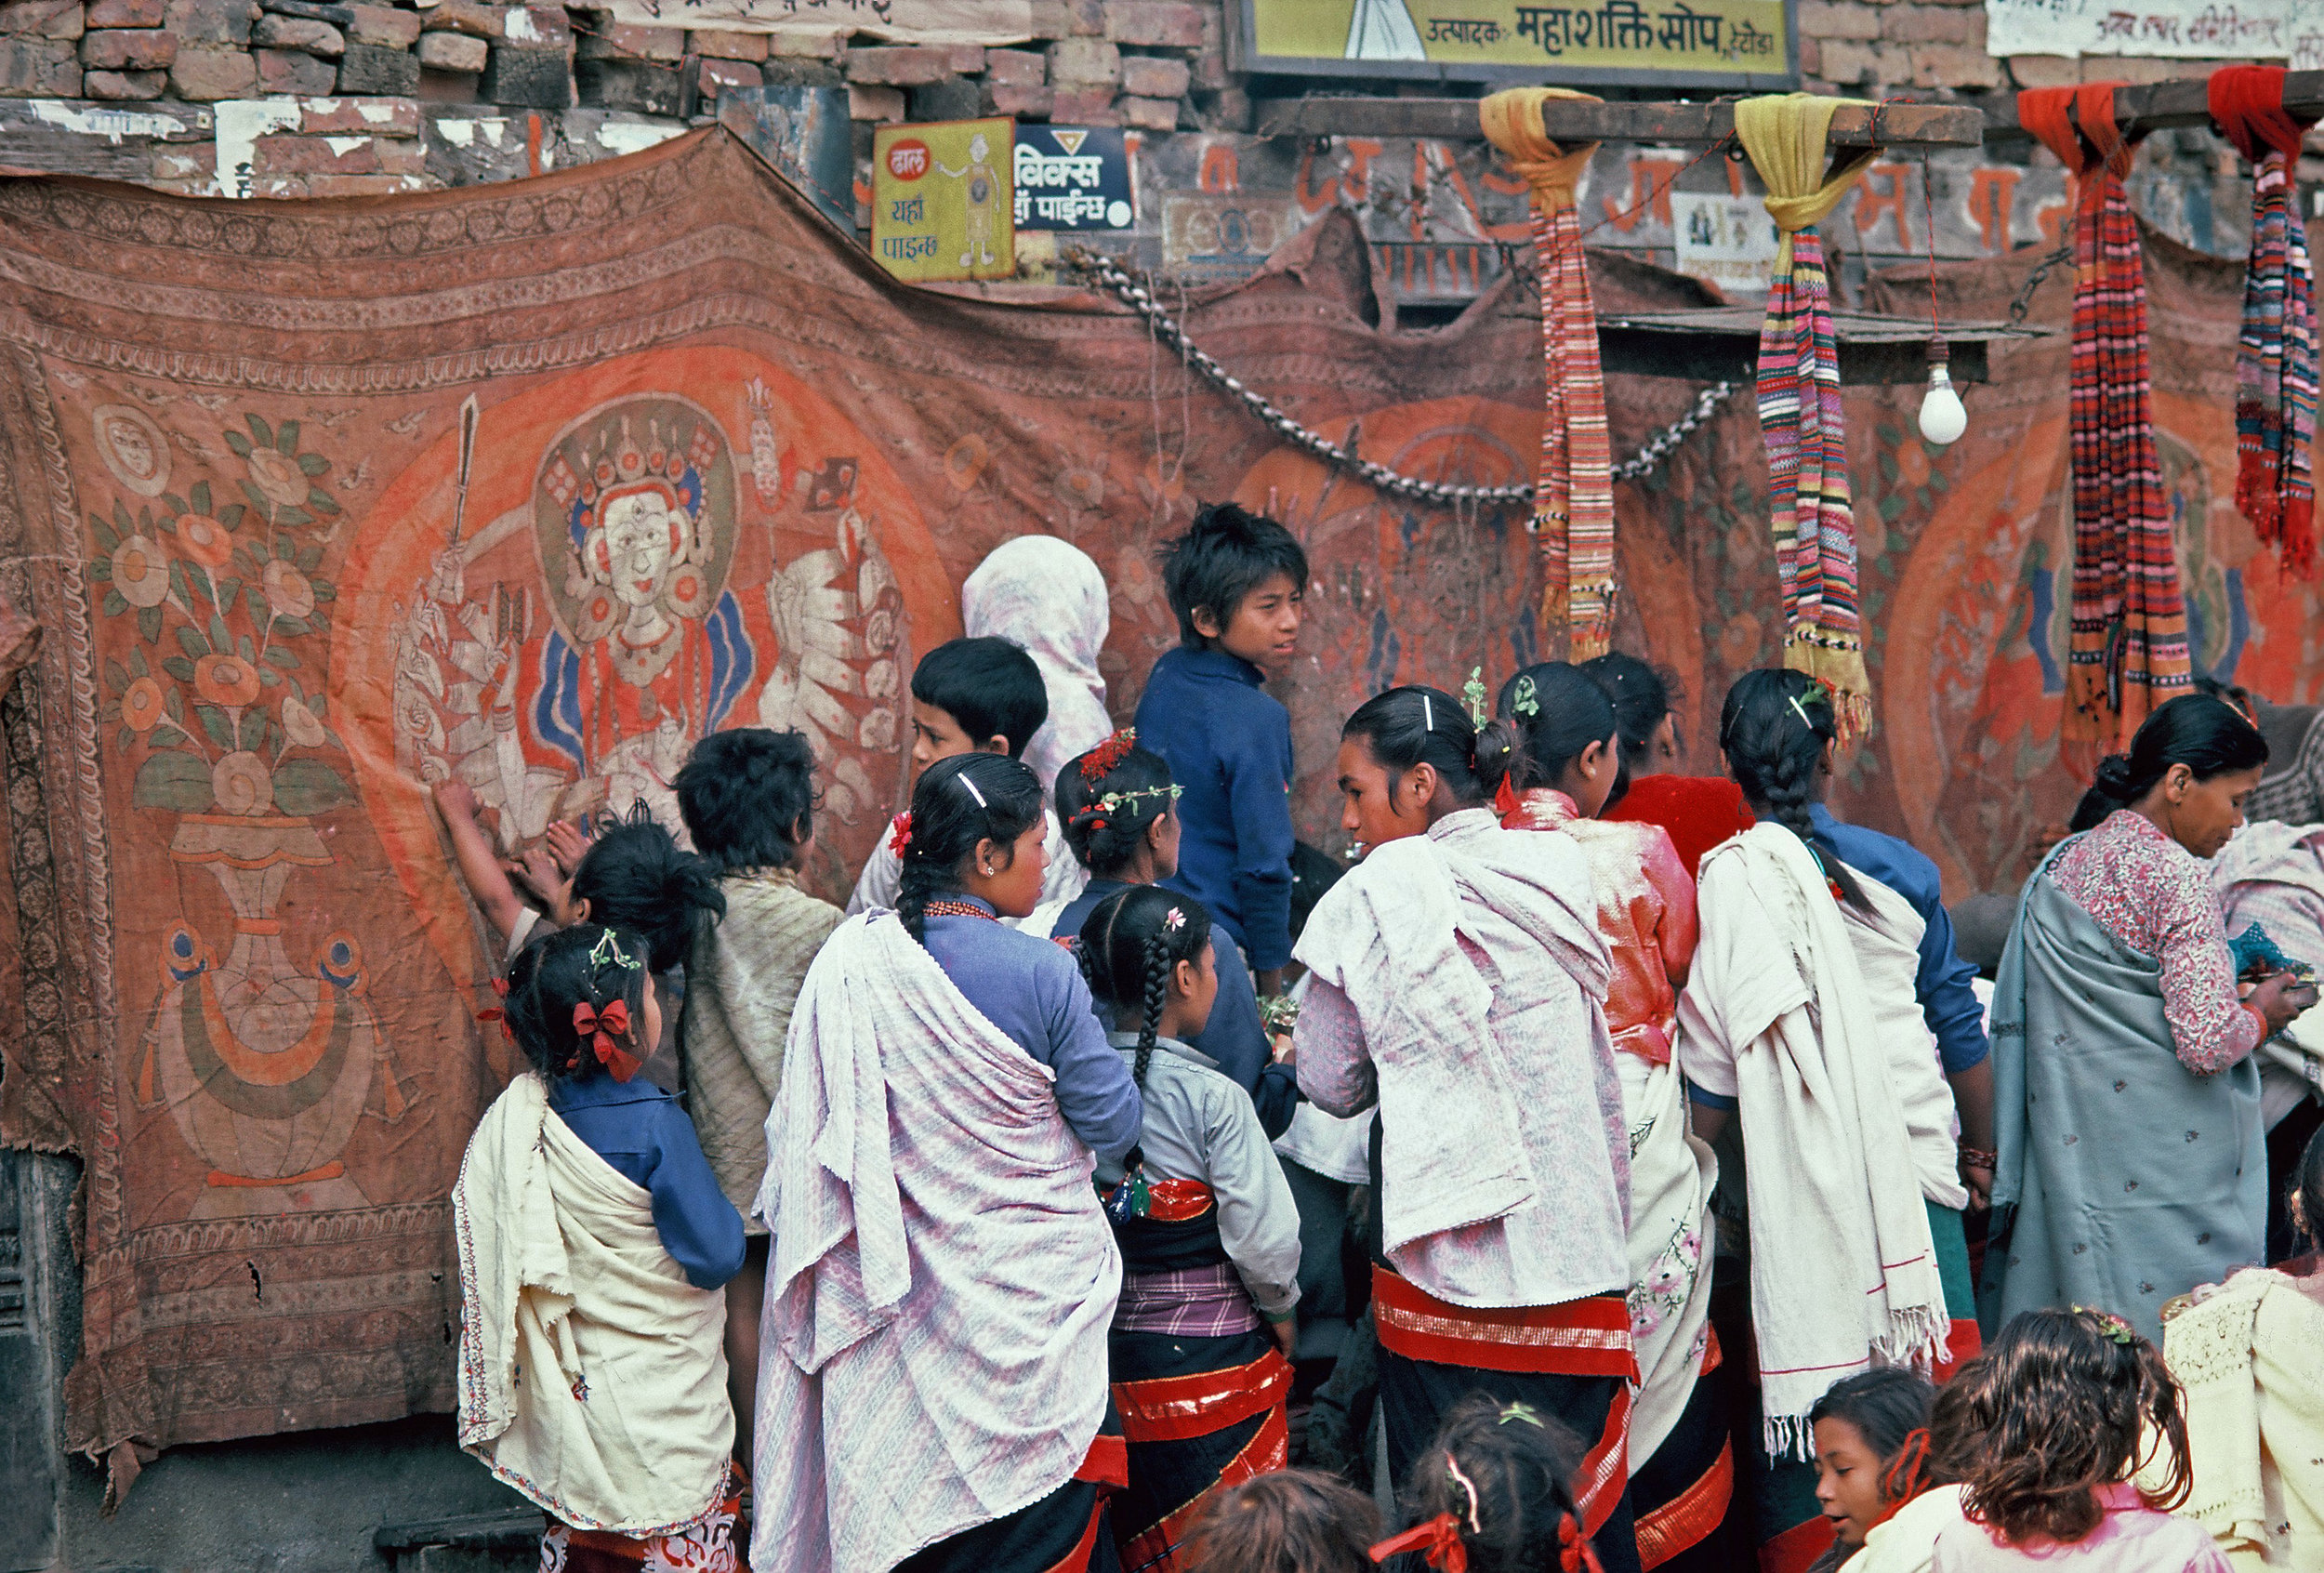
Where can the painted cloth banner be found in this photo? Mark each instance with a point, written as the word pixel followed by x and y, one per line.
pixel 724 472
pixel 2178 28
pixel 720 471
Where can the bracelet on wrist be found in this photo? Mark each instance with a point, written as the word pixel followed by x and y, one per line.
pixel 1978 1157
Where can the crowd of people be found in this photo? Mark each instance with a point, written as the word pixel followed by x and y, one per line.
pixel 1613 1168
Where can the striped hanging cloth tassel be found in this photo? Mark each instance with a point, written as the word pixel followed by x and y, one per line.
pixel 2129 650
pixel 1573 511
pixel 1799 412
pixel 2276 354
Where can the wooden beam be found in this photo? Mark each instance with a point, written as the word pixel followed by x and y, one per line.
pixel 1721 343
pixel 2164 105
pixel 113 141
pixel 1566 120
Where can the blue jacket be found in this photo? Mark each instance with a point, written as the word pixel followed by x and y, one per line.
pixel 1943 984
pixel 1235 1039
pixel 1228 744
pixel 642 1132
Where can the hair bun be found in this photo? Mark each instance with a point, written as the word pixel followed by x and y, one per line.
pixel 2113 775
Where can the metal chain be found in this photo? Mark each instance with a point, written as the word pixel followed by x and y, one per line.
pixel 1109 272
pixel 2024 303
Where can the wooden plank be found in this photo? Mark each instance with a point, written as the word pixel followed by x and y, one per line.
pixel 1934 125
pixel 108 140
pixel 2163 105
pixel 1721 344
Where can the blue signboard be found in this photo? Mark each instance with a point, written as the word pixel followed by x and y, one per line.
pixel 1074 178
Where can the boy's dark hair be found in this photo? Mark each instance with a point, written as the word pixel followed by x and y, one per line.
pixel 2307 1190
pixel 1291 1521
pixel 988 685
pixel 1774 729
pixel 1225 554
pixel 2067 1400
pixel 957 802
pixel 1129 947
pixel 748 797
pixel 636 878
pixel 1886 1407
pixel 588 963
pixel 1641 697
pixel 1105 837
pixel 1558 711
pixel 1519 1462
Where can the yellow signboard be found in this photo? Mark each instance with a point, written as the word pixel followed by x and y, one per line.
pixel 942 202
pixel 1746 43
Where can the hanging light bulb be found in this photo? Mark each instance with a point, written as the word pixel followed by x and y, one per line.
pixel 1943 417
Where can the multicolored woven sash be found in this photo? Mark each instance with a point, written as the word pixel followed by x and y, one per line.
pixel 1573 506
pixel 2276 353
pixel 1800 415
pixel 2128 649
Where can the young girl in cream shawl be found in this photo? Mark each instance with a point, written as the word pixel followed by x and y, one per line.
pixel 594 1247
pixel 1458 983
pixel 1800 1022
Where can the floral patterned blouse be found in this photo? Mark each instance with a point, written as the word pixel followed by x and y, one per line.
pixel 2156 897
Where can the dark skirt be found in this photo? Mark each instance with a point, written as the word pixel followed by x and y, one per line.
pixel 1200 1414
pixel 1064 1532
pixel 1681 1495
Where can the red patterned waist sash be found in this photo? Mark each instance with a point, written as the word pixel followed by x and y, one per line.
pixel 1175 1408
pixel 1588 1337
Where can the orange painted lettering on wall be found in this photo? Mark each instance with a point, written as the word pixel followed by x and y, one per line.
pixel 1992 194
pixel 1875 201
pixel 1649 178
pixel 1220 170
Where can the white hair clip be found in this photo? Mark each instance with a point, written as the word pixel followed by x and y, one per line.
pixel 1428 714
pixel 972 791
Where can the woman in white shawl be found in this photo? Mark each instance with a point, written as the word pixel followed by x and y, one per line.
pixel 1800 1020
pixel 1047 598
pixel 1459 981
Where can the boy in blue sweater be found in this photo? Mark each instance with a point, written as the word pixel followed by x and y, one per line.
pixel 1236 581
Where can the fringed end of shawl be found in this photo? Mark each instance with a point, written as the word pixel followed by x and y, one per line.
pixel 1787 1437
pixel 1837 662
pixel 1915 1338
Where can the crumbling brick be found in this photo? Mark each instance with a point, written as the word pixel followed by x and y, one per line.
pixel 125 13
pixel 1956 65
pixel 1148 76
pixel 469 17
pixel 129 48
pixel 1084 62
pixel 966 60
pixel 644 87
pixel 1168 23
pixel 1839 18
pixel 316 38
pixel 289 72
pixel 57 21
pixel 210 23
pixel 1933 25
pixel 366 117
pixel 453 51
pixel 1148 114
pixel 1051 19
pixel 716 76
pixel 528 78
pixel 1084 106
pixel 618 40
pixel 1015 68
pixel 372 69
pixel 383 26
pixel 874 103
pixel 898 66
pixel 807 45
pixel 1025 103
pixel 123 84
pixel 750 46
pixel 205 75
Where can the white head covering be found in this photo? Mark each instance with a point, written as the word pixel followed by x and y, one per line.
pixel 1049 599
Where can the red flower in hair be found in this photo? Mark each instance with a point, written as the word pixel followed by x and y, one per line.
pixel 1099 761
pixel 1438 1539
pixel 599 1029
pixel 900 833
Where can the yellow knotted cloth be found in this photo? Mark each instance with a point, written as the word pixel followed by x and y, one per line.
pixel 1574 488
pixel 1800 414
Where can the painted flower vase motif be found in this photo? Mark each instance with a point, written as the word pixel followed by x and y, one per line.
pixel 264 1058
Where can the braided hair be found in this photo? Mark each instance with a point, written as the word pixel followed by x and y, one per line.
pixel 957 803
pixel 1503 1473
pixel 588 963
pixel 1105 836
pixel 1774 729
pixel 1410 726
pixel 1130 945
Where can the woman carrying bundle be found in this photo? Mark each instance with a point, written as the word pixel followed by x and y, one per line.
pixel 1569 759
pixel 1208 1233
pixel 1801 1022
pixel 1459 981
pixel 933 1372
pixel 2127 1102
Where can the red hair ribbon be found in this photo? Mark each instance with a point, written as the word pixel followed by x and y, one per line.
pixel 496 1014
pixel 1099 762
pixel 1438 1538
pixel 900 833
pixel 1574 1554
pixel 599 1028
pixel 1902 1480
